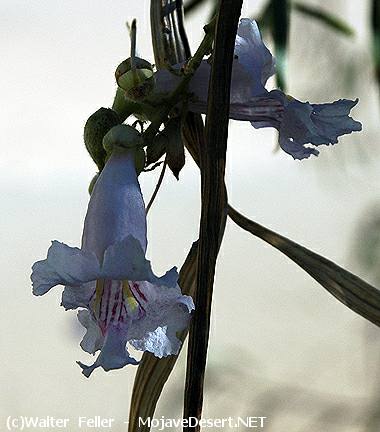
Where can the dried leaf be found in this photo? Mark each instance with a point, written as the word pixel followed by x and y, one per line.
pixel 214 202
pixel 349 289
pixel 175 150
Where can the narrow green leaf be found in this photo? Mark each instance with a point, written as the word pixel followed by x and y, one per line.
pixel 349 289
pixel 280 10
pixel 265 19
pixel 325 17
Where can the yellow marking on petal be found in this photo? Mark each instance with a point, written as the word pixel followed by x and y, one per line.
pixel 128 296
pixel 98 296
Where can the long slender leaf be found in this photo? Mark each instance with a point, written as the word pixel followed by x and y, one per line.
pixel 265 19
pixel 280 33
pixel 324 17
pixel 275 19
pixel 349 289
pixel 214 202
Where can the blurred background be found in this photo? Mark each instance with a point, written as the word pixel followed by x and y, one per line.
pixel 281 346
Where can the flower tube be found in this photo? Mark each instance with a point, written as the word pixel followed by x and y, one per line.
pixel 121 300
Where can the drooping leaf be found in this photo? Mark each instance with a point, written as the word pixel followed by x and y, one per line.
pixel 325 17
pixel 349 289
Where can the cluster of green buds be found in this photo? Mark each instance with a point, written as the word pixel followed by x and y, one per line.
pixel 104 130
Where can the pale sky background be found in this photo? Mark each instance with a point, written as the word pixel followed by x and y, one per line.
pixel 270 320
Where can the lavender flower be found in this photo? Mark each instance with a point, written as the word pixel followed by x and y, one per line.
pixel 298 123
pixel 120 299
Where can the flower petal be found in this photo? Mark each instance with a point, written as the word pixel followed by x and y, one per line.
pixel 78 296
pixel 158 342
pixel 113 354
pixel 253 55
pixel 296 149
pixel 251 68
pixel 64 265
pixel 304 123
pixel 332 120
pixel 126 260
pixel 93 340
pixel 243 85
pixel 167 312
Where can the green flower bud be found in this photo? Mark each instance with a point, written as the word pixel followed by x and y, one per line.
pixel 137 81
pixel 126 137
pixel 97 125
pixel 123 136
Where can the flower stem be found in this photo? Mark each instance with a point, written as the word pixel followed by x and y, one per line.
pixel 157 188
pixel 133 45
